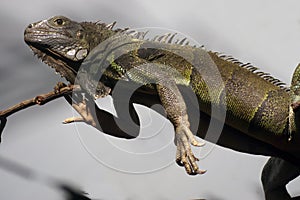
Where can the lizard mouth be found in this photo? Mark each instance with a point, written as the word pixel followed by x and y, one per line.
pixel 42 40
pixel 41 36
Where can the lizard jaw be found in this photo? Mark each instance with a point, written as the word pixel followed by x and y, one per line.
pixel 60 64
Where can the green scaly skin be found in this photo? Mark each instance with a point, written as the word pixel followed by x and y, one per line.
pixel 259 116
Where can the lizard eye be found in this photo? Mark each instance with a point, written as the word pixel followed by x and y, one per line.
pixel 59 21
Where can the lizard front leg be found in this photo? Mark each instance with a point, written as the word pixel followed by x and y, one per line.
pixel 175 108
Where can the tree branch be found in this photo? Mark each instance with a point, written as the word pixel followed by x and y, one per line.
pixel 84 105
pixel 59 91
pixel 39 100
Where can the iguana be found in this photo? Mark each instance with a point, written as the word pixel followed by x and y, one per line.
pixel 261 114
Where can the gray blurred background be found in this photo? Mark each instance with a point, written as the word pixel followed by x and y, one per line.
pixel 263 32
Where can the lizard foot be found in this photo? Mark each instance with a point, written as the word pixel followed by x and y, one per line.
pixel 58 86
pixel 184 156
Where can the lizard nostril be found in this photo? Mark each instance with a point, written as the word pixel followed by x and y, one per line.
pixel 30 26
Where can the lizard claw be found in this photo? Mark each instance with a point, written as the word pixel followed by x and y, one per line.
pixel 72 120
pixel 184 156
pixel 58 86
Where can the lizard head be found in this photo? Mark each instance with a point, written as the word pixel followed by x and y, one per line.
pixel 64 44
pixel 60 36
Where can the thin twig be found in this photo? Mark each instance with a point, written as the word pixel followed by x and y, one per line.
pixel 39 100
pixel 83 104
